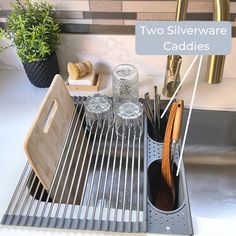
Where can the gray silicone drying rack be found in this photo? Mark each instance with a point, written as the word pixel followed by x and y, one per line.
pixel 114 194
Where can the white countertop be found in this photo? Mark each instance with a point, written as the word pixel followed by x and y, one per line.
pixel 19 102
pixel 219 97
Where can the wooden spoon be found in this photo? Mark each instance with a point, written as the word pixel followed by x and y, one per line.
pixel 177 127
pixel 166 195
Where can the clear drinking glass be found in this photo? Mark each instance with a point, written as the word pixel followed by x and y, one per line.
pixel 129 120
pixel 99 113
pixel 125 85
pixel 127 109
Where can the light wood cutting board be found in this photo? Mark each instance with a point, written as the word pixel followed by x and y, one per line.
pixel 45 139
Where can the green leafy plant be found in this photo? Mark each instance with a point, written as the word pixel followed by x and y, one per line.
pixel 32 30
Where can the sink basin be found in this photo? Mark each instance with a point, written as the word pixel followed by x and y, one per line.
pixel 210 162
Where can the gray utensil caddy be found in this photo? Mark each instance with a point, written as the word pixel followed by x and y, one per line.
pixel 151 219
pixel 179 220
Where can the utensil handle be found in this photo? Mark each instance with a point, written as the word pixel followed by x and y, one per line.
pixel 178 121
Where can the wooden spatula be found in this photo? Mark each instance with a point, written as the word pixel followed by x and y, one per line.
pixel 177 127
pixel 166 195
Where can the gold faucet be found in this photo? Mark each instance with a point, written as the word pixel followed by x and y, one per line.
pixel 215 66
pixel 172 76
pixel 216 63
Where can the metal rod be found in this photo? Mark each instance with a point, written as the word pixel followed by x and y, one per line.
pixel 80 175
pixel 119 174
pixel 32 200
pixel 138 189
pixel 159 112
pixel 87 173
pixel 126 173
pixel 21 193
pixel 100 175
pixel 132 182
pixel 17 187
pixel 26 198
pixel 60 161
pixel 74 174
pixel 94 172
pixel 106 175
pixel 69 170
pixel 150 118
pixel 31 204
pixel 38 204
pixel 63 169
pixel 149 106
pixel 112 180
pixel 155 107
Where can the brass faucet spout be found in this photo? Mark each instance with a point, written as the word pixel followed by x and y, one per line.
pixel 215 67
pixel 172 76
pixel 181 10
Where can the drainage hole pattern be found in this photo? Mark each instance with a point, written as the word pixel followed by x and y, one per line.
pixel 166 220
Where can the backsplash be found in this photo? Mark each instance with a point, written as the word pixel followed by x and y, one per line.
pixel 119 17
pixel 103 32
pixel 106 51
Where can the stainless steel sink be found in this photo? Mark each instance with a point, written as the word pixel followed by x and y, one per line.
pixel 210 162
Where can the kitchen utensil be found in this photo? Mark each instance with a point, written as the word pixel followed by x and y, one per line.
pixel 150 121
pixel 98 111
pixel 158 104
pixel 149 112
pixel 166 195
pixel 45 140
pixel 177 127
pixel 155 108
pixel 158 113
pixel 149 106
pixel 78 70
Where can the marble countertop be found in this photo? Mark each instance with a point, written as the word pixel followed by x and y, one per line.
pixel 19 102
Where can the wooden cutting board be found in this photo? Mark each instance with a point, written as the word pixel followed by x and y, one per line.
pixel 45 139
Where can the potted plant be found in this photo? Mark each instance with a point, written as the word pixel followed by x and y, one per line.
pixel 31 28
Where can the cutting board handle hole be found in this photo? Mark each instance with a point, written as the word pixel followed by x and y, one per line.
pixel 49 118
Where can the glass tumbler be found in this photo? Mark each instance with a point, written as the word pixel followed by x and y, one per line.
pixel 128 112
pixel 125 85
pixel 129 120
pixel 99 113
